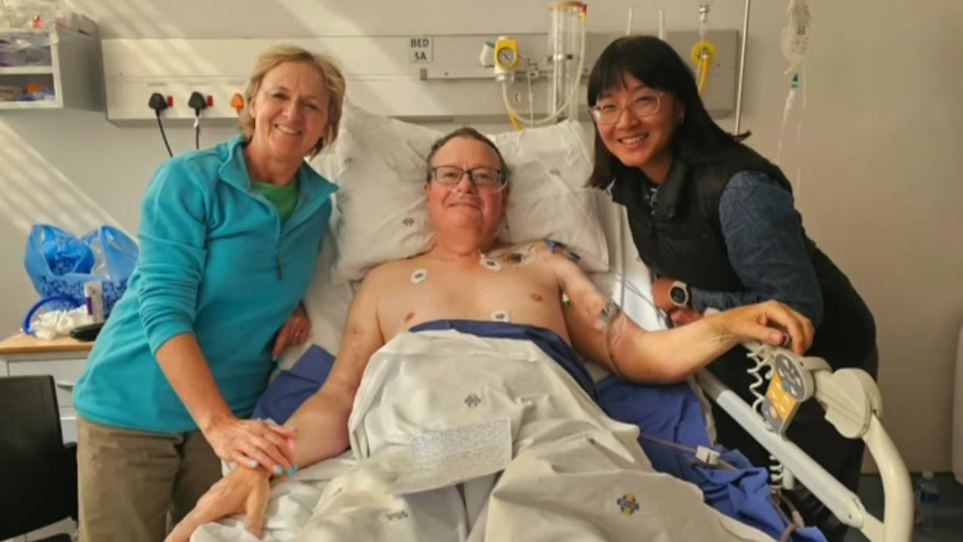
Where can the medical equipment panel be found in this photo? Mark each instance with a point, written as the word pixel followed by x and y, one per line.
pixel 437 78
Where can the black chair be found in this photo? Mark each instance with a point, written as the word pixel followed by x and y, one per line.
pixel 38 473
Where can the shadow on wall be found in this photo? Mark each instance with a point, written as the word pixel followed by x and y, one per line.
pixel 217 19
pixel 34 191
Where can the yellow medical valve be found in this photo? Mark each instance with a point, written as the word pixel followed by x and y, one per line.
pixel 703 53
pixel 506 53
pixel 506 59
pixel 701 48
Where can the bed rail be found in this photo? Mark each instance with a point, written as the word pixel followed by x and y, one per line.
pixel 897 523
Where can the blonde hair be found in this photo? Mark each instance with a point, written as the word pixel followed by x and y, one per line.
pixel 330 72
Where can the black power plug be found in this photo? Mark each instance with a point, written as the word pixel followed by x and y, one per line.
pixel 158 103
pixel 197 102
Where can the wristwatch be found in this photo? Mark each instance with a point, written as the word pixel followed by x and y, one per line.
pixel 679 294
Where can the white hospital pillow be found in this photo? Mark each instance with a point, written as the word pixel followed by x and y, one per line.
pixel 549 198
pixel 379 164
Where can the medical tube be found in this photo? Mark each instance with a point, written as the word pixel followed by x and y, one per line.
pixel 570 101
pixel 563 46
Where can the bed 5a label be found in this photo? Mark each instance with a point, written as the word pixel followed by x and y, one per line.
pixel 420 50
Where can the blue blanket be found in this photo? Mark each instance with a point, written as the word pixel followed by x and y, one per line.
pixel 662 413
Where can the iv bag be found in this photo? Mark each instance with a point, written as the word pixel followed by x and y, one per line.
pixel 795 35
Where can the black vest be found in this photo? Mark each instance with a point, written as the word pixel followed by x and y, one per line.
pixel 680 236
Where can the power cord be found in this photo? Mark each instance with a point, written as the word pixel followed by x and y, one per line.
pixel 197 102
pixel 158 103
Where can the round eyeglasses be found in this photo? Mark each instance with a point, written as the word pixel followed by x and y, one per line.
pixel 481 177
pixel 645 105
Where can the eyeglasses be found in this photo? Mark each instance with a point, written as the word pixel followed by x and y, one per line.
pixel 481 177
pixel 645 105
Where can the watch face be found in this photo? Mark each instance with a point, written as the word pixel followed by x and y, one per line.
pixel 677 294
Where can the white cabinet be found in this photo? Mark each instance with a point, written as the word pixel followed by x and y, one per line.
pixel 63 359
pixel 63 65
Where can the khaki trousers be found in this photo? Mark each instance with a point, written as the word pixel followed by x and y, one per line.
pixel 134 486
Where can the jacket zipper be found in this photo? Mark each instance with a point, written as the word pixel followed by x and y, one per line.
pixel 277 246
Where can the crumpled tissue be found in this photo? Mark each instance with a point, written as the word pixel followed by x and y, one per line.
pixel 53 324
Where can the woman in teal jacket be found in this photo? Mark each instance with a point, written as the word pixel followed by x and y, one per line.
pixel 228 243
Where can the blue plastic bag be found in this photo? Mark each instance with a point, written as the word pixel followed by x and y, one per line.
pixel 58 262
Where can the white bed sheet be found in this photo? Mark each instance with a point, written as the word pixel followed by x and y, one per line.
pixel 573 471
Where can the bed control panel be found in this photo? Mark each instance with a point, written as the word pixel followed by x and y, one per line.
pixel 849 397
pixel 790 385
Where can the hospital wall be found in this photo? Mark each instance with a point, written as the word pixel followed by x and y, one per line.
pixel 878 159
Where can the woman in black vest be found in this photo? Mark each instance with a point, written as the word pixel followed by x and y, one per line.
pixel 716 223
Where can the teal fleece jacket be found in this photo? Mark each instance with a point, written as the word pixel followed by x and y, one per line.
pixel 214 262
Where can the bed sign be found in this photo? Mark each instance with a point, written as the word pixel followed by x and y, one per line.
pixel 790 385
pixel 420 50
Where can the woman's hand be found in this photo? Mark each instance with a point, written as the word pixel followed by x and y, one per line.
pixel 683 316
pixel 252 443
pixel 770 322
pixel 660 294
pixel 293 332
pixel 242 491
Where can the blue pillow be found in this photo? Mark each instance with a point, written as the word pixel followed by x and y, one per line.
pixel 292 387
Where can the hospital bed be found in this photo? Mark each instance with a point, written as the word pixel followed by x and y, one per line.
pixel 379 166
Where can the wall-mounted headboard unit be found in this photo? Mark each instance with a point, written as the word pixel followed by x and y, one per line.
pixel 434 78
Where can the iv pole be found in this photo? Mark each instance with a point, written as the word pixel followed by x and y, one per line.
pixel 742 66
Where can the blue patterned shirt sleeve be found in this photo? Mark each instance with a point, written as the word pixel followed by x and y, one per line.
pixel 766 249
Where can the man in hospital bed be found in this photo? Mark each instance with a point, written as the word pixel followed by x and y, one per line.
pixel 419 363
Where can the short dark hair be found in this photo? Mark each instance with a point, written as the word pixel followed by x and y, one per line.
pixel 656 64
pixel 471 133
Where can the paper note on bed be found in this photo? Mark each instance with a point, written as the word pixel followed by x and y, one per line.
pixel 449 457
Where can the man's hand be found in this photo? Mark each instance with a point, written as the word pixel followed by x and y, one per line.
pixel 768 322
pixel 242 491
pixel 660 294
pixel 294 331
